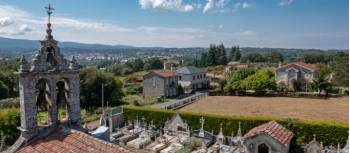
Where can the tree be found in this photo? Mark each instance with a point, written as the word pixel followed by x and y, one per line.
pixel 136 65
pixel 235 79
pixel 321 82
pixel 261 81
pixel 4 91
pixel 235 54
pixel 221 55
pixel 9 121
pixel 212 56
pixel 273 57
pixel 252 57
pixel 91 80
pixel 203 62
pixel 10 80
pixel 340 68
pixel 153 63
pixel 120 69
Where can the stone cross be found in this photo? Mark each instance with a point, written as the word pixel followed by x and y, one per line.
pixel 49 12
pixel 201 131
pixel 202 120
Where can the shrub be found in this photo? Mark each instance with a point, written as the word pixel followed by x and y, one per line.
pixel 9 103
pixel 330 133
pixel 9 121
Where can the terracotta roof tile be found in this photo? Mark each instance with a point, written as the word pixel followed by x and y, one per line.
pixel 274 130
pixel 72 141
pixel 164 73
pixel 311 67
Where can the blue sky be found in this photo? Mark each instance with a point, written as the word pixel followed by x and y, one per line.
pixel 319 24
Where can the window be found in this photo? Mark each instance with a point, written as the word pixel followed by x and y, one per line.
pixel 153 82
pixel 194 77
pixel 197 76
pixel 179 77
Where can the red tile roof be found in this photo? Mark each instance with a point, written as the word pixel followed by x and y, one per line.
pixel 164 73
pixel 311 67
pixel 71 141
pixel 274 130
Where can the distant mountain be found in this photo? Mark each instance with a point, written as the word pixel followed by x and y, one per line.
pixel 6 43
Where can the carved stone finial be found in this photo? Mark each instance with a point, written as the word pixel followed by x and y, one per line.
pixel 314 137
pixel 24 67
pixel 239 132
pixel 73 64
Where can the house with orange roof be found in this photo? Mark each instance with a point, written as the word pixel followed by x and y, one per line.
pixel 296 75
pixel 160 83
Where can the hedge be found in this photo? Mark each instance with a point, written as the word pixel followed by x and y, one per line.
pixel 328 132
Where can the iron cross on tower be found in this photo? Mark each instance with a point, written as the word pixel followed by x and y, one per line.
pixel 49 10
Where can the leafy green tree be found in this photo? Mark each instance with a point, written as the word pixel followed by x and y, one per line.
pixel 316 58
pixel 340 68
pixel 9 121
pixel 273 57
pixel 153 63
pixel 120 69
pixel 253 58
pixel 136 65
pixel 322 82
pixel 235 79
pixel 91 80
pixel 261 81
pixel 4 91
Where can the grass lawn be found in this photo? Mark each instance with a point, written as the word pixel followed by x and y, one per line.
pixel 277 107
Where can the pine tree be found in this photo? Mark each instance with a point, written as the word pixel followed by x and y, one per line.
pixel 237 54
pixel 232 54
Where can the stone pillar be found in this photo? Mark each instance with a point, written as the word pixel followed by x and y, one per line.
pixel 53 112
pixel 74 100
pixel 27 93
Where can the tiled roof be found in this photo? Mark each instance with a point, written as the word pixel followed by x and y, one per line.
pixel 274 130
pixel 189 70
pixel 71 141
pixel 310 67
pixel 164 73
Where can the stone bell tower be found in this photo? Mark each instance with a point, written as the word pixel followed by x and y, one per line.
pixel 47 83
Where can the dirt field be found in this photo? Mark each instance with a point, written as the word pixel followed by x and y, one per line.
pixel 276 107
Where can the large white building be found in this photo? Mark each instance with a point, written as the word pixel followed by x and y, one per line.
pixel 192 78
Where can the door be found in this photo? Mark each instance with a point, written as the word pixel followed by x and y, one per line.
pixel 263 148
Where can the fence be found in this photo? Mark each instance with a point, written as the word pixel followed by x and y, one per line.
pixel 186 101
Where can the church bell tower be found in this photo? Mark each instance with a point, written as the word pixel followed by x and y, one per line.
pixel 46 84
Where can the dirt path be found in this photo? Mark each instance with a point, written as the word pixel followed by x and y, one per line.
pixel 277 107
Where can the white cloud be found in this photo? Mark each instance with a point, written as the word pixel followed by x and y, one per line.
pixel 245 5
pixel 216 6
pixel 247 33
pixel 5 21
pixel 153 29
pixel 285 2
pixel 171 5
pixel 25 28
pixel 248 5
pixel 208 6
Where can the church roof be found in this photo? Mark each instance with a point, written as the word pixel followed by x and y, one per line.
pixel 63 140
pixel 274 130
